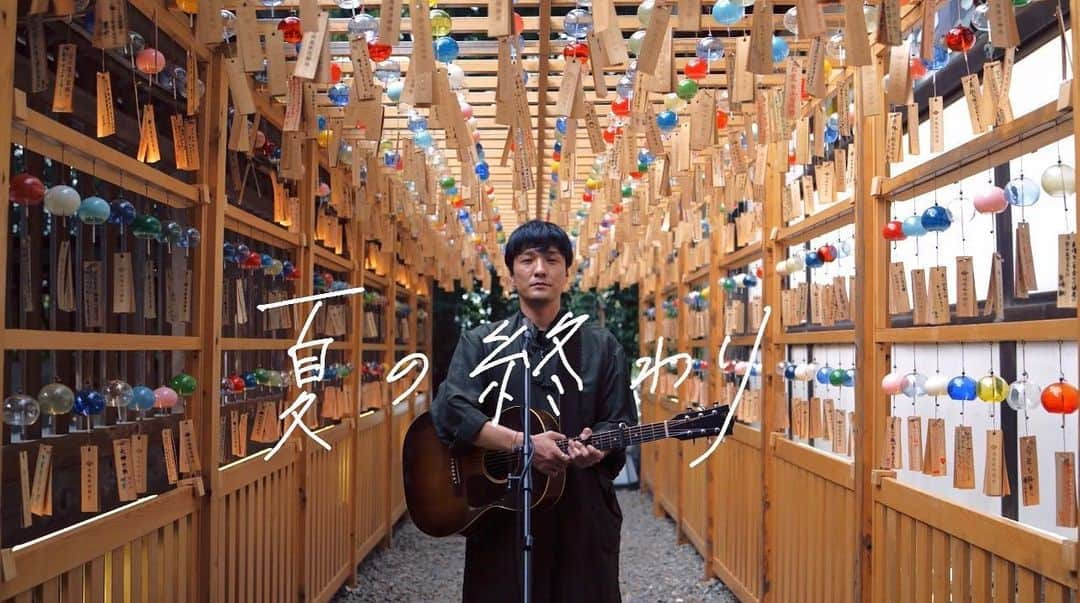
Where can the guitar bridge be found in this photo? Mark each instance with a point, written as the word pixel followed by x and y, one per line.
pixel 455 471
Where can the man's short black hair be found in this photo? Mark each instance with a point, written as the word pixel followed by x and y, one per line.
pixel 537 234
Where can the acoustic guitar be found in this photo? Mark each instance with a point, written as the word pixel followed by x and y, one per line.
pixel 447 493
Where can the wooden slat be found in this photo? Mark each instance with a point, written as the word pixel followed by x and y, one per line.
pixel 73 585
pixel 980 574
pixel 168 561
pixel 1022 330
pixel 1025 134
pixel 154 585
pixel 923 574
pixel 1010 540
pixel 1004 581
pixel 940 546
pixel 830 467
pixel 27 339
pixel 48 137
pixel 96 580
pixel 80 545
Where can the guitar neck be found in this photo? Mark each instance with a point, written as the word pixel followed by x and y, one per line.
pixel 621 438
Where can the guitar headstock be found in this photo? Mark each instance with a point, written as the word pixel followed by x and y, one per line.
pixel 700 423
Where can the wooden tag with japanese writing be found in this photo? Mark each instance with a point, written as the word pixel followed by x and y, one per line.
pixel 189 453
pixel 149 151
pixel 914 442
pixel 966 305
pixel 899 302
pixel 88 479
pixel 65 282
pixel 995 477
pixel 311 48
pixel 939 296
pixel 817 428
pixel 149 290
pixel 920 299
pixel 974 103
pixel 106 116
pixel 110 24
pixel 1025 264
pixel 1029 470
pixel 1003 30
pixel 41 492
pixel 891 451
pixel 140 446
pixel 839 432
pixel 888 31
pixel 176 124
pixel 1066 289
pixel 241 450
pixel 123 292
pixel 873 102
pixel 898 87
pixel 24 488
pixel 1065 473
pixel 239 87
pixel 744 78
pixel 913 128
pixel 937 124
pixel 39 66
pixel 191 90
pixel 995 298
pixel 389 21
pixel 894 138
pixel 825 178
pixel 125 477
pixel 168 447
pixel 234 433
pixel 963 459
pixel 934 459
pixel 649 56
pixel 64 87
pixel 500 18
pixel 93 288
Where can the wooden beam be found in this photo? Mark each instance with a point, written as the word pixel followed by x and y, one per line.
pixel 542 105
pixel 30 339
pixel 207 413
pixel 8 16
pixel 869 301
pixel 1023 135
pixel 1054 329
pixel 50 138
pixel 823 222
pixel 172 25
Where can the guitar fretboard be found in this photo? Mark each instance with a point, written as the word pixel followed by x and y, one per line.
pixel 629 436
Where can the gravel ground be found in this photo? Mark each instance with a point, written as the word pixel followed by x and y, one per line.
pixel 653 568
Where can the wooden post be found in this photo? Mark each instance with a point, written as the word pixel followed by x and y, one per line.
pixel 541 103
pixel 1074 23
pixel 305 259
pixel 772 386
pixel 7 107
pixel 871 256
pixel 206 410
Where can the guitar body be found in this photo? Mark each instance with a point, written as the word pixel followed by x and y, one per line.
pixel 447 493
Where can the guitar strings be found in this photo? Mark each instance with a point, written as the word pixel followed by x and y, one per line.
pixel 504 460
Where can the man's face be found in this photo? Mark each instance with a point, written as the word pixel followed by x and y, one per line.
pixel 540 275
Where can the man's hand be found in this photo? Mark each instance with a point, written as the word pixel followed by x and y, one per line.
pixel 547 457
pixel 582 454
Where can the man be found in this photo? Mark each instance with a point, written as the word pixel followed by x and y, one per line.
pixel 576 541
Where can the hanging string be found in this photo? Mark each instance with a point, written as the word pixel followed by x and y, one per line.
pixel 1024 376
pixel 937 360
pixel 993 407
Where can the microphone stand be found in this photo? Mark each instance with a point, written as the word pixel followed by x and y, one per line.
pixel 526 481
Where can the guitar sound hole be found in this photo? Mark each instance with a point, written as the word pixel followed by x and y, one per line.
pixel 498 465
